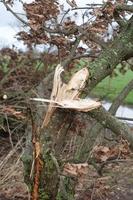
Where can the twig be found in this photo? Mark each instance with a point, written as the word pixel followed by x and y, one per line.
pixel 9 131
pixel 83 8
pixel 11 153
pixel 88 55
pixel 55 162
pixel 13 170
pixel 93 190
pixel 64 16
pixel 72 53
pixel 15 15
pixel 100 171
pixel 94 4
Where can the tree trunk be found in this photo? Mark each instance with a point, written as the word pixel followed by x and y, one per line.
pixel 67 133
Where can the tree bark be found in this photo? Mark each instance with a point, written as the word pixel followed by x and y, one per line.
pixel 121 48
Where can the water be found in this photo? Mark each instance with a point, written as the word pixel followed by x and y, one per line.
pixel 123 111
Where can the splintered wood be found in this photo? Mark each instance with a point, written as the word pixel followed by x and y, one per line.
pixel 66 95
pixel 57 85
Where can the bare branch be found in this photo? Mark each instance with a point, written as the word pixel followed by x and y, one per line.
pixel 94 4
pixel 15 15
pixel 84 8
pixel 60 31
pixel 72 3
pixel 89 55
pixel 120 98
pixel 72 53
pixel 64 16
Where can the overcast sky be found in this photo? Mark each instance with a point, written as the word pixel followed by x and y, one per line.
pixel 9 25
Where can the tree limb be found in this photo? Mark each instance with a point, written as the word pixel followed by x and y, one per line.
pixel 124 7
pixel 119 8
pixel 108 121
pixel 120 98
pixel 67 61
pixel 118 18
pixel 114 54
pixel 89 55
pixel 93 133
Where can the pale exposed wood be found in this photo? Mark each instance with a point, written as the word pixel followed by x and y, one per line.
pixel 67 95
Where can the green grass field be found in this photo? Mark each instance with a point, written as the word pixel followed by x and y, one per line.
pixel 109 88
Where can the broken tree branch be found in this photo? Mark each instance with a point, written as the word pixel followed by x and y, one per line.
pixel 97 128
pixel 109 121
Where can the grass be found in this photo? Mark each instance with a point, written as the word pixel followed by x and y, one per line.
pixel 109 88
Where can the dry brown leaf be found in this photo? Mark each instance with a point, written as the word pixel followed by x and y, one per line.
pixel 104 153
pixel 101 153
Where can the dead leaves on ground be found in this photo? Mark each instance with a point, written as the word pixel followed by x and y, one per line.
pixel 76 169
pixel 104 153
pixel 101 154
pixel 88 184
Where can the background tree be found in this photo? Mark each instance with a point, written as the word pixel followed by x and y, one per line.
pixel 48 23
